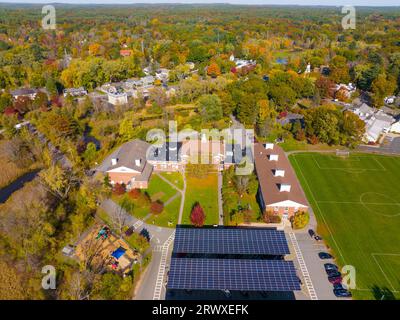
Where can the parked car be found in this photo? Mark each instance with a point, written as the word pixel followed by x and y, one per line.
pixel 335 280
pixel 317 238
pixel 342 293
pixel 227 293
pixel 311 232
pixel 338 286
pixel 334 273
pixel 324 255
pixel 330 267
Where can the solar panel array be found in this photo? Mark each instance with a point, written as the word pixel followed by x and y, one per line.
pixel 232 274
pixel 230 241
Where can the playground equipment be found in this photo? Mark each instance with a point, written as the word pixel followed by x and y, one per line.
pixel 104 233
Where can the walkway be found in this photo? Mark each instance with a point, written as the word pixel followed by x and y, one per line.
pixel 220 209
pixel 182 192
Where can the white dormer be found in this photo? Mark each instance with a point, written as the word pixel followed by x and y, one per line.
pixel 114 161
pixel 138 162
pixel 285 187
pixel 273 157
pixel 279 173
pixel 269 146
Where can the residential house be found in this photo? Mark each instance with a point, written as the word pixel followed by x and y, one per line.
pixel 162 74
pixel 117 96
pixel 345 90
pixel 125 52
pixel 147 80
pixel 75 92
pixel 24 92
pixel 279 190
pixel 390 100
pixel 291 118
pixel 377 122
pixel 377 125
pixel 395 128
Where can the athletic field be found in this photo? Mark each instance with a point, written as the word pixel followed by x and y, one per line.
pixel 357 204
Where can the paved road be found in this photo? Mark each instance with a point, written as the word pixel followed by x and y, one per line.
pixel 313 267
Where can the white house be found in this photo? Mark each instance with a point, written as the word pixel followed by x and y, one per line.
pixel 395 128
pixel 378 124
pixel 117 96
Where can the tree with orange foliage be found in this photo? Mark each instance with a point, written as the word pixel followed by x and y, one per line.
pixel 94 49
pixel 213 70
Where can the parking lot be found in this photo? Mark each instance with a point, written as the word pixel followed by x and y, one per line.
pixel 389 145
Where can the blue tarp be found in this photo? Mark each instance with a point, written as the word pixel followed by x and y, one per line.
pixel 118 253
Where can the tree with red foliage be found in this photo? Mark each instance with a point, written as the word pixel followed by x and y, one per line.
pixel 197 216
pixel 119 188
pixel 156 207
pixel 10 111
pixel 134 193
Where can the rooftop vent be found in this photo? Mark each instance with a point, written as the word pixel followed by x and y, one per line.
pixel 273 157
pixel 138 162
pixel 285 187
pixel 114 161
pixel 279 173
pixel 269 146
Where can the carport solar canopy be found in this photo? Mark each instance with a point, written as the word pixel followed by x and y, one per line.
pixel 232 274
pixel 230 241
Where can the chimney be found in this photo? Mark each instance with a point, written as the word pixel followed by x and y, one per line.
pixel 279 173
pixel 285 187
pixel 138 162
pixel 273 157
pixel 114 161
pixel 269 146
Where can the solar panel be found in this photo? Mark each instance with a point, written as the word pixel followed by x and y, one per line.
pixel 232 274
pixel 230 241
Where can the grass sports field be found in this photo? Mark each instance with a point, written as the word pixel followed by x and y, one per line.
pixel 357 204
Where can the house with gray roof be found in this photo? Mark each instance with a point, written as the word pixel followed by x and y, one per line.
pixel 128 165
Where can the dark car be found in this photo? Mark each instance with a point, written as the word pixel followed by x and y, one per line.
pixel 324 255
pixel 317 238
pixel 338 286
pixel 330 267
pixel 342 293
pixel 334 273
pixel 335 280
pixel 311 232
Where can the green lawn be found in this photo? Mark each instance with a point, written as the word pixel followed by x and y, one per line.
pixel 357 205
pixel 170 213
pixel 204 191
pixel 159 189
pixel 174 177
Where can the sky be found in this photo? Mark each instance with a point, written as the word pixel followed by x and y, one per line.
pixel 280 2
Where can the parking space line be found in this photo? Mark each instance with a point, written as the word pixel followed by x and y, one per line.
pixel 162 267
pixel 303 267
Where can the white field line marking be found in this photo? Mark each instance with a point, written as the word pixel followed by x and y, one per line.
pixel 362 203
pixel 350 170
pixel 319 209
pixel 303 267
pixel 161 269
pixel 380 267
